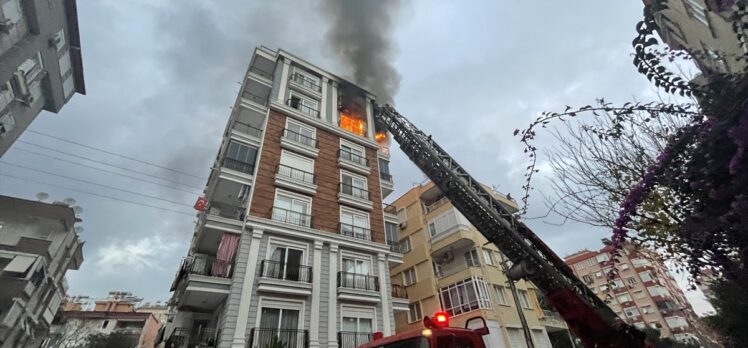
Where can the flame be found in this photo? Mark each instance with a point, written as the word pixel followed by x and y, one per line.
pixel 352 123
pixel 380 137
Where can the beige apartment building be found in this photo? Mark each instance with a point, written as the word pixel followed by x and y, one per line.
pixel 449 266
pixel 642 293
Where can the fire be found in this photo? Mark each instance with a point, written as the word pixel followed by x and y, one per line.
pixel 380 137
pixel 352 123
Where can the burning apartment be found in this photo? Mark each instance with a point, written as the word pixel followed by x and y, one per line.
pixel 290 242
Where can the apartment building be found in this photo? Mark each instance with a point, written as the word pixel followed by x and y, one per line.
pixel 40 62
pixel 290 243
pixel 449 266
pixel 705 28
pixel 38 245
pixel 643 292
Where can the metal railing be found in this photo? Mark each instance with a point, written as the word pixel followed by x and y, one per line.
pixel 261 72
pixel 247 129
pixel 285 271
pixel 398 291
pixel 353 157
pixel 296 174
pixel 305 81
pixel 299 105
pixel 206 337
pixel 355 191
pixel 389 209
pixel 395 246
pixel 262 338
pixel 353 339
pixel 431 207
pixel 291 217
pixel 358 281
pixel 299 138
pixel 207 266
pixel 241 166
pixel 354 231
pixel 385 176
pixel 255 98
pixel 178 338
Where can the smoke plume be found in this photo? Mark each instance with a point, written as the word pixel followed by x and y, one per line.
pixel 361 36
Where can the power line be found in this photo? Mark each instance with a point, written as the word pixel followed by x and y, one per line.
pixel 97 194
pixel 101 162
pixel 95 184
pixel 112 172
pixel 114 154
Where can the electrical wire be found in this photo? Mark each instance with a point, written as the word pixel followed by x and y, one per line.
pixel 101 162
pixel 96 184
pixel 114 172
pixel 97 194
pixel 115 154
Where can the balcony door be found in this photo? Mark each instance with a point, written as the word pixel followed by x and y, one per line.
pixel 293 211
pixel 279 325
pixel 357 325
pixel 357 271
pixel 354 185
pixel 286 262
pixel 355 225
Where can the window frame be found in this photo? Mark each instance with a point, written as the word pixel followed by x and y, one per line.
pixel 301 158
pixel 303 98
pixel 356 257
pixel 281 303
pixel 301 125
pixel 474 259
pixel 500 295
pixel 354 177
pixel 294 196
pixel 411 307
pixel 488 257
pixel 524 299
pixel 403 242
pixel 414 275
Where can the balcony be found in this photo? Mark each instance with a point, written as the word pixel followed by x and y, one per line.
pixel 390 213
pixel 358 287
pixel 355 196
pixel 354 231
pixel 247 129
pixel 268 75
pixel 304 109
pixel 295 179
pixel 399 298
pixel 183 337
pixel 265 338
pixel 353 162
pixel 299 143
pixel 291 217
pixel 433 206
pixel 255 100
pixel 386 184
pixel 307 84
pixel 202 282
pixel 553 321
pixel 353 339
pixel 285 278
pixel 244 167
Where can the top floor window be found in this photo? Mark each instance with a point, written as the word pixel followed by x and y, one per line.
pixel 240 157
pixel 306 79
pixel 697 11
pixel 304 104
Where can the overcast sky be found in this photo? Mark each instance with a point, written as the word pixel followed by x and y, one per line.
pixel 162 75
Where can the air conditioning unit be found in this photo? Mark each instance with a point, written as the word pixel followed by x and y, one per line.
pixel 53 41
pixel 6 25
pixel 19 84
pixel 403 224
pixel 446 257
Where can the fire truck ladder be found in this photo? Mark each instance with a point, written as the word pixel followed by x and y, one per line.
pixel 587 316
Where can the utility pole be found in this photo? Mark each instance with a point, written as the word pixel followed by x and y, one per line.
pixel 520 310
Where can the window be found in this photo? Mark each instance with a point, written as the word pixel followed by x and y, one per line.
pixel 300 134
pixel 358 330
pixel 658 291
pixel 524 300
pixel 587 279
pixel 624 267
pixel 240 157
pixel 292 209
pixel 697 11
pixel 675 322
pixel 409 276
pixel 500 295
pixel 303 104
pixel 353 153
pixel 602 257
pixel 591 261
pixel 355 224
pixel 624 298
pixel 384 170
pixel 282 321
pixel 414 312
pixel 646 276
pixel 464 296
pixel 616 284
pixel 354 185
pixel 437 269
pixel 402 217
pixel 471 258
pixel 405 245
pixel 59 40
pixel 356 265
pixel 631 280
pixel 354 274
pixel 580 265
pixel 306 79
pixel 639 294
pixel 296 167
pixel 447 221
pixel 603 288
pixel 64 62
pixel 647 309
pixel 391 231
pixel 285 263
pixel 104 325
pixel 12 11
pixel 631 312
pixel 68 86
pixel 598 274
pixel 487 257
pixel 640 262
pixel 655 325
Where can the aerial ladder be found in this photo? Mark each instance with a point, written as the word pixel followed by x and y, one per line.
pixel 587 316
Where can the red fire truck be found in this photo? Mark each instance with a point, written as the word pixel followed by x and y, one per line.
pixel 436 333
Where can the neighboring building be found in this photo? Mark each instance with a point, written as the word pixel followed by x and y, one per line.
pixel 448 265
pixel 642 293
pixel 38 244
pixel 703 27
pixel 40 62
pixel 291 243
pixel 160 311
pixel 115 314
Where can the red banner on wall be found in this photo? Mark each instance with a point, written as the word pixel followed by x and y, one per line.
pixel 201 203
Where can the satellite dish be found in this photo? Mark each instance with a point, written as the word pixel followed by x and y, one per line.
pixel 41 196
pixel 68 201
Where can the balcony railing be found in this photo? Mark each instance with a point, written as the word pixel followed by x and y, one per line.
pixel 261 72
pixel 355 191
pixel 203 337
pixel 206 266
pixel 299 138
pixel 206 337
pixel 398 291
pixel 296 174
pixel 262 338
pixel 353 157
pixel 354 231
pixel 358 281
pixel 431 207
pixel 247 129
pixel 389 209
pixel 243 167
pixel 306 82
pixel 353 339
pixel 291 217
pixel 285 271
pixel 178 338
pixel 299 105
pixel 255 98
pixel 228 211
pixel 395 246
pixel 385 176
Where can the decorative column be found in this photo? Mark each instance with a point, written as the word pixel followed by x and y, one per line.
pixel 332 310
pixel 240 331
pixel 384 293
pixel 283 85
pixel 316 289
pixel 334 118
pixel 369 118
pixel 323 103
